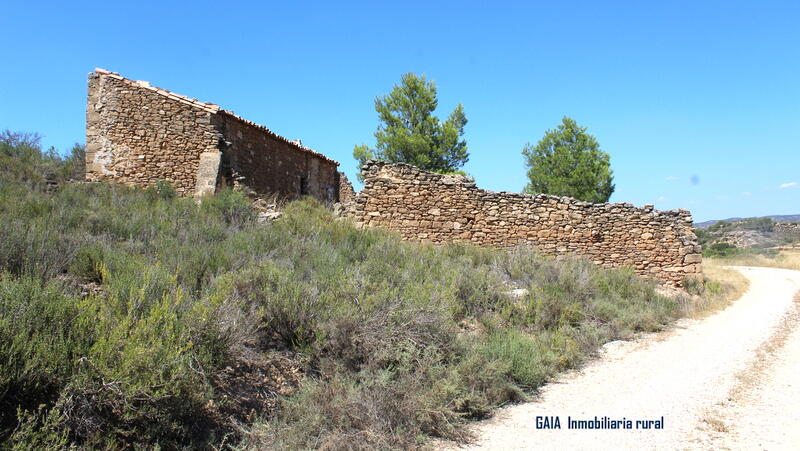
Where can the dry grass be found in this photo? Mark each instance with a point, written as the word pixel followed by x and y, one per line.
pixel 724 413
pixel 721 287
pixel 724 285
pixel 788 259
pixel 750 377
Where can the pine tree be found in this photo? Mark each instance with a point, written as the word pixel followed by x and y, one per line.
pixel 409 132
pixel 568 161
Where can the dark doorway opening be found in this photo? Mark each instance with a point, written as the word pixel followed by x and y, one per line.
pixel 303 185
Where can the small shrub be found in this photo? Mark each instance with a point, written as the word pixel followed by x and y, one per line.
pixel 729 251
pixel 758 224
pixel 43 333
pixel 720 250
pixel 39 429
pixel 721 226
pixel 398 341
pixel 289 308
pixel 703 236
pixel 233 205
pixel 36 248
pixel 88 263
pixel 161 190
pixel 531 362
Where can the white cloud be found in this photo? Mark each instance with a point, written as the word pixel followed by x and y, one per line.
pixel 747 193
pixel 670 178
pixel 661 198
pixel 788 185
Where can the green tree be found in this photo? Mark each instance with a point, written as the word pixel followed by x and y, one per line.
pixel 568 161
pixel 409 133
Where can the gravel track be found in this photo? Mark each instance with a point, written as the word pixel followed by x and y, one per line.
pixel 728 381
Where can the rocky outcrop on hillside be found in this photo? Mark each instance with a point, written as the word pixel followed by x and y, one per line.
pixel 751 233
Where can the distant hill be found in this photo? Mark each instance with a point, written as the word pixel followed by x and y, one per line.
pixel 780 218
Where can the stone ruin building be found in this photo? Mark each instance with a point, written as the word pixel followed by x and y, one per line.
pixel 138 134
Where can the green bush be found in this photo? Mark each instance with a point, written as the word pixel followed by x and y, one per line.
pixel 530 358
pixel 232 205
pixel 22 160
pixel 720 250
pixel 721 226
pixel 703 236
pixel 135 318
pixel 161 190
pixel 758 224
pixel 43 332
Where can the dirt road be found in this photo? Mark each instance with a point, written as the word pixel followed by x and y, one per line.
pixel 729 381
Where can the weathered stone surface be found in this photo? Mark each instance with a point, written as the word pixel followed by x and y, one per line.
pixel 207 174
pixel 693 258
pixel 791 229
pixel 346 191
pixel 445 208
pixel 267 163
pixel 138 134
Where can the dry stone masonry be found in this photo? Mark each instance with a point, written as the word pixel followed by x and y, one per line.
pixel 138 134
pixel 449 208
pixel 790 229
pixel 346 191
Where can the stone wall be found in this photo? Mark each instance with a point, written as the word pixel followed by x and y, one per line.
pixel 791 229
pixel 269 164
pixel 346 191
pixel 138 134
pixel 439 208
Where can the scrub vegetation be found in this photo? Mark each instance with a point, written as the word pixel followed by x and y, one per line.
pixel 135 318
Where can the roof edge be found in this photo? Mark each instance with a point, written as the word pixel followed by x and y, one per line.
pixel 210 108
pixel 292 143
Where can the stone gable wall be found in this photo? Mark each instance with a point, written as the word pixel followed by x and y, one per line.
pixel 137 136
pixel 438 208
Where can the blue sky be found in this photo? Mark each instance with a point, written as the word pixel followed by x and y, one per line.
pixel 697 102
